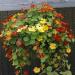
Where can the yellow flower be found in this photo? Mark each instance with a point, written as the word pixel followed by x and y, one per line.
pixel 39 28
pixel 45 27
pixel 52 46
pixel 68 50
pixel 19 30
pixel 8 33
pixel 32 29
pixel 40 38
pixel 36 70
pixel 43 21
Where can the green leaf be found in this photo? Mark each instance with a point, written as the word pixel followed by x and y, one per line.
pixel 32 41
pixel 55 73
pixel 68 66
pixel 26 39
pixel 14 56
pixel 20 22
pixel 49 68
pixel 49 73
pixel 15 62
pixel 67 73
pixel 43 44
pixel 34 36
pixel 44 59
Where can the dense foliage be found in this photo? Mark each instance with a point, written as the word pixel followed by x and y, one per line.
pixel 37 41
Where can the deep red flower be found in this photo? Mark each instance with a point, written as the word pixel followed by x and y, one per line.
pixel 61 29
pixel 63 23
pixel 57 37
pixel 14 33
pixel 33 5
pixel 66 25
pixel 26 72
pixel 66 42
pixel 17 72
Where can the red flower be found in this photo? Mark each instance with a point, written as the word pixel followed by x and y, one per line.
pixel 70 35
pixel 65 24
pixel 14 33
pixel 33 5
pixel 17 72
pixel 26 72
pixel 5 22
pixel 9 17
pixel 61 29
pixel 57 37
pixel 19 43
pixel 66 42
pixel 9 54
pixel 59 15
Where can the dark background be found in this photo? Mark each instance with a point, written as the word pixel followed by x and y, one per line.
pixel 69 14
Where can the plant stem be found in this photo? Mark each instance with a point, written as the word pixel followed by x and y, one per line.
pixel 20 71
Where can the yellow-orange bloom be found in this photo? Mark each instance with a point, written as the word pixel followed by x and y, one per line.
pixel 32 29
pixel 36 70
pixel 8 38
pixel 52 46
pixel 43 21
pixel 68 50
pixel 8 33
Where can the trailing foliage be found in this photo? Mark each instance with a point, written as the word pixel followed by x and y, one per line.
pixel 38 41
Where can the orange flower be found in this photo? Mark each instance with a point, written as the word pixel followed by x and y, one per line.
pixel 22 64
pixel 46 7
pixel 41 55
pixel 7 38
pixel 4 46
pixel 1 35
pixel 9 17
pixel 59 15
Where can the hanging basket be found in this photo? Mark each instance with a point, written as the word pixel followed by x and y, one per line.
pixel 37 41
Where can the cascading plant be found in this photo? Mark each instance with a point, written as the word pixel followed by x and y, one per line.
pixel 37 41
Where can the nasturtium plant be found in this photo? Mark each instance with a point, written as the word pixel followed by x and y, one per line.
pixel 37 41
